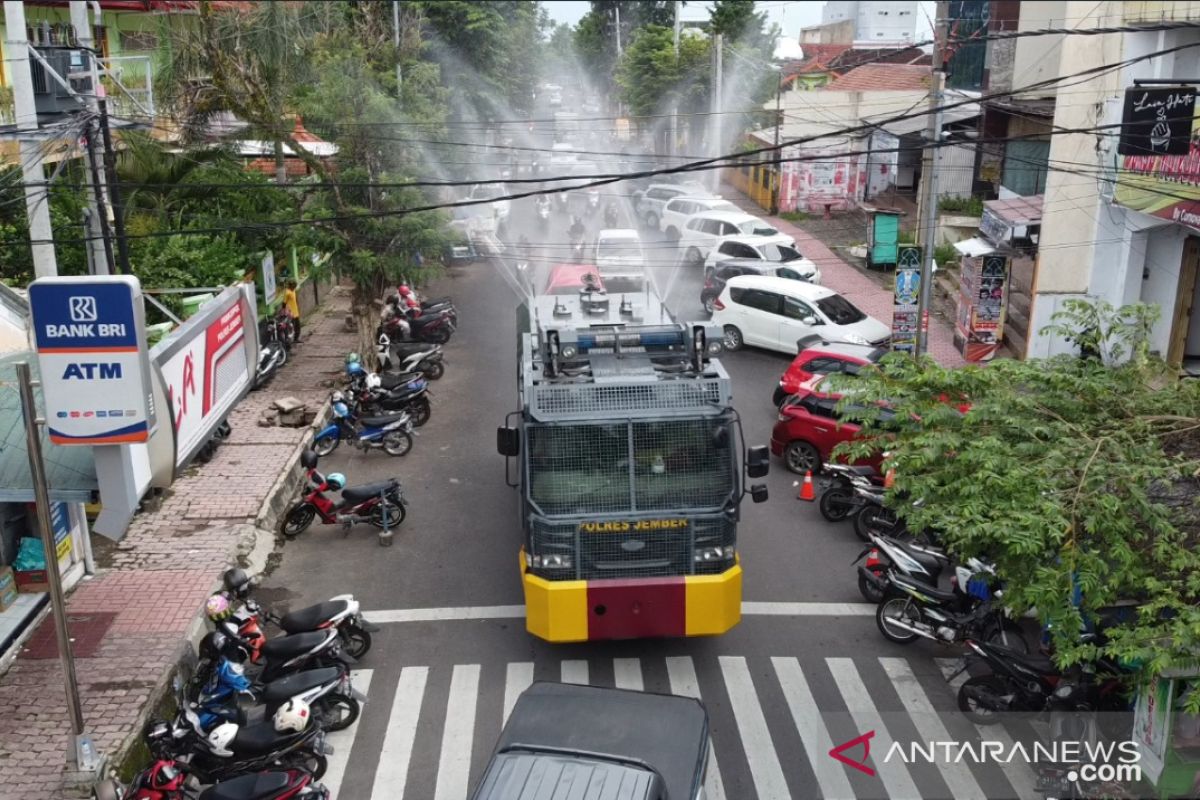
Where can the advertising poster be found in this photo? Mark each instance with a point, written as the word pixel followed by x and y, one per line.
pixel 905 299
pixel 983 282
pixel 1150 724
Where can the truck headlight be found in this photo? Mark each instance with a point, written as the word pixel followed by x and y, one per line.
pixel 551 561
pixel 706 554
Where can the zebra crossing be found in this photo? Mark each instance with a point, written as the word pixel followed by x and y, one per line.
pixel 773 722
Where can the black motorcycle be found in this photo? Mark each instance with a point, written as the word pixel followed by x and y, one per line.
pixel 914 609
pixel 838 499
pixel 403 396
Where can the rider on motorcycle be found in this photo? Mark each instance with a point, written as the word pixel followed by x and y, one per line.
pixel 542 202
pixel 576 230
pixel 610 215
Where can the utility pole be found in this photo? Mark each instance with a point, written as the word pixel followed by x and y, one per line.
pixel 673 147
pixel 929 195
pixel 714 125
pixel 776 174
pixel 37 198
pixel 114 186
pixel 396 41
pixel 99 245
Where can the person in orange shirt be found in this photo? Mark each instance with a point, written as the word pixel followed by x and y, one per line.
pixel 293 308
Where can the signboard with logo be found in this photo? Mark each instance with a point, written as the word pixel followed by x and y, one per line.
pixel 905 299
pixel 90 335
pixel 1158 178
pixel 207 365
pixel 1157 121
pixel 983 283
pixel 268 278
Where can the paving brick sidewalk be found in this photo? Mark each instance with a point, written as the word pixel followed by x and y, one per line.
pixel 152 584
pixel 848 281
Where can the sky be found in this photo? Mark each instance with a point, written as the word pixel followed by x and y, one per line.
pixel 789 15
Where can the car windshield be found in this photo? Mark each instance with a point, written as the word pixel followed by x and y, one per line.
pixel 839 310
pixel 619 248
pixel 756 228
pixel 780 253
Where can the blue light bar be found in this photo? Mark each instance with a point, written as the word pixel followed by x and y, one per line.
pixel 655 338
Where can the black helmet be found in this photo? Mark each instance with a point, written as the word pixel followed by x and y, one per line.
pixel 237 582
pixel 216 645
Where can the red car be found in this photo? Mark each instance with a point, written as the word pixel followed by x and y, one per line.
pixel 823 359
pixel 810 426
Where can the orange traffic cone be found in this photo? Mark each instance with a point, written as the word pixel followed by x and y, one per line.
pixel 806 488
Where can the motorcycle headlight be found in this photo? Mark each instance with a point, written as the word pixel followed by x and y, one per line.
pixel 706 554
pixel 550 561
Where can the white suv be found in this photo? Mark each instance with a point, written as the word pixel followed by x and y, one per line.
pixel 706 230
pixel 619 260
pixel 649 203
pixel 763 249
pixel 677 212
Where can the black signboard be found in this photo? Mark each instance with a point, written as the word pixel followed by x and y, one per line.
pixel 1157 122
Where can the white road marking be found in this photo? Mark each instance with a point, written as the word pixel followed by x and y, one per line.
pixel 518 677
pixel 749 609
pixel 342 742
pixel 957 775
pixel 813 734
pixel 895 777
pixel 454 764
pixel 392 771
pixel 682 675
pixel 628 673
pixel 575 672
pixel 765 768
pixel 1019 775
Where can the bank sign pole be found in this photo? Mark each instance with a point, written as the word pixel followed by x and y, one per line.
pixel 90 335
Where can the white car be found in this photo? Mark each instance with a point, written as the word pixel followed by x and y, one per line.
pixel 763 249
pixel 620 260
pixel 774 312
pixel 649 203
pixel 706 230
pixel 487 191
pixel 677 212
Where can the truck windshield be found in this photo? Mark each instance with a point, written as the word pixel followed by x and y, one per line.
pixel 615 467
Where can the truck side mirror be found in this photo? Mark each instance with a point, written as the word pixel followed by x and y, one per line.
pixel 758 461
pixel 508 441
pixel 758 493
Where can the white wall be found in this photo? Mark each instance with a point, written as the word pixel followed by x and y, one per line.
pixel 1036 58
pixel 1164 251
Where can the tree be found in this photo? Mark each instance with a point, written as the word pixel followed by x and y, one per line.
pixel 652 79
pixel 1076 478
pixel 596 33
pixel 739 23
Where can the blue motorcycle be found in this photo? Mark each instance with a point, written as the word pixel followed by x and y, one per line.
pixel 392 432
pixel 229 695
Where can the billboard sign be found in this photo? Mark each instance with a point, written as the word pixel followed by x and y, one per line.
pixel 983 284
pixel 90 335
pixel 268 278
pixel 1155 179
pixel 906 298
pixel 207 366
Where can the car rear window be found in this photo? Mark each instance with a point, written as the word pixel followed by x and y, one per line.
pixel 839 310
pixel 756 228
pixel 780 252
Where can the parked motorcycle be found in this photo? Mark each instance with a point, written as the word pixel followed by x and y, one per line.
pixel 392 432
pixel 271 356
pixel 425 358
pixel 229 695
pixel 914 609
pixel 432 328
pixel 341 612
pixel 382 504
pixel 167 779
pixel 593 202
pixel 413 399
pixel 272 658
pixel 875 516
pixel 838 499
pixel 923 562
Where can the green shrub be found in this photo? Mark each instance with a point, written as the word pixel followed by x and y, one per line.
pixel 969 206
pixel 945 255
pixel 793 216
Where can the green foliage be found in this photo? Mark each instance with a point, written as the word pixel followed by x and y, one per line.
pixel 651 78
pixel 945 255
pixel 1102 332
pixel 1066 473
pixel 969 206
pixel 793 216
pixel 740 24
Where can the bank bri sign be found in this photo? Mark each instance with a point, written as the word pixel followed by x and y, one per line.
pixel 90 335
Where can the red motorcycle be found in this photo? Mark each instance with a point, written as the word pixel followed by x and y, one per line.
pixel 166 780
pixel 382 504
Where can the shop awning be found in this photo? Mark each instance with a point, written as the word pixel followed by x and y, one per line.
pixel 70 471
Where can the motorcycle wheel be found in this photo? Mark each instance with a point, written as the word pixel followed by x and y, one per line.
pixel 440 336
pixel 1007 634
pixel 873 519
pixel 397 443
pixel 836 504
pixel 355 641
pixel 896 608
pixel 326 445
pixel 298 519
pixel 870 592
pixel 434 370
pixel 336 712
pixel 970 707
pixel 395 511
pixel 420 411
pixel 312 763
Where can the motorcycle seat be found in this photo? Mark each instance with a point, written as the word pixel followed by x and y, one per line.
pixel 407 349
pixel 925 588
pixel 388 381
pixel 427 319
pixel 307 619
pixel 356 494
pixel 283 648
pixel 258 739
pixel 378 422
pixel 256 786
pixel 933 562
pixel 279 690
pixel 865 471
pixel 1034 661
pixel 437 301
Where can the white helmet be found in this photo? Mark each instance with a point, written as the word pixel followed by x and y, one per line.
pixel 374 381
pixel 221 737
pixel 292 716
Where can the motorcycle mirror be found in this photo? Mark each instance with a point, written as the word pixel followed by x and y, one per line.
pixel 758 493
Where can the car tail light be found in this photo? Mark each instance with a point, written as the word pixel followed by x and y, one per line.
pixel 718 305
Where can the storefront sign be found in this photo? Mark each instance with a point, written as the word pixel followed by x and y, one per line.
pixel 1157 121
pixel 982 286
pixel 1159 183
pixel 90 335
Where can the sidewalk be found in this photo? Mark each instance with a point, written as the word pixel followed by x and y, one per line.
pixel 846 280
pixel 130 622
